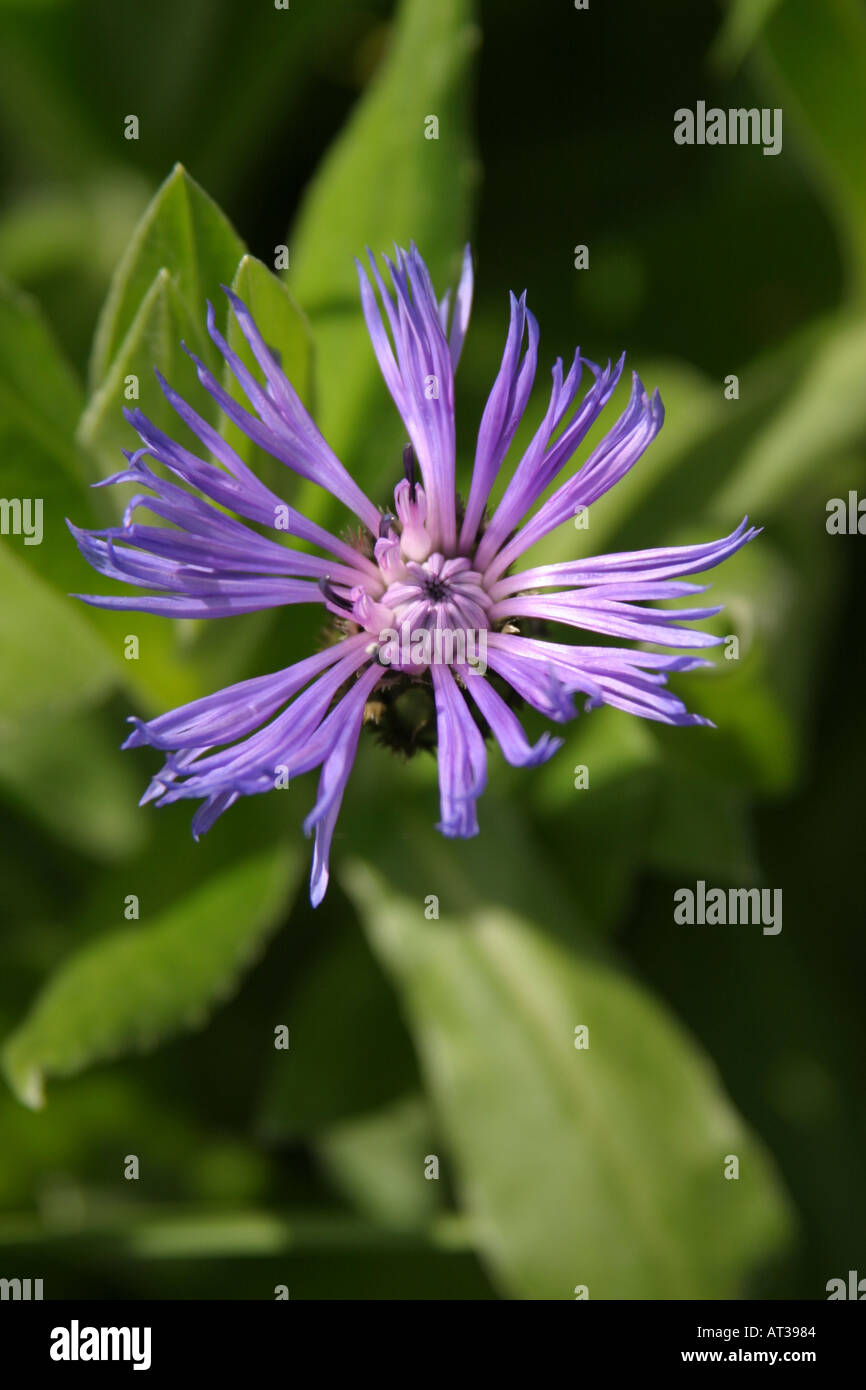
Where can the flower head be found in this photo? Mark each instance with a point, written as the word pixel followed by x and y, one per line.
pixel 426 600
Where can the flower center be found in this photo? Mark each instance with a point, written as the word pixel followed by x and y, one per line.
pixel 428 609
pixel 439 593
pixel 436 590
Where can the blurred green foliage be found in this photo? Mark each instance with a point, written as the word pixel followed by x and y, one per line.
pixel 448 1039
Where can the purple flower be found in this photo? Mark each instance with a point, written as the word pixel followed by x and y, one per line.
pixel 434 627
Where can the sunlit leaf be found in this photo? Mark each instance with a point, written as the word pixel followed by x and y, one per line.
pixel 379 1162
pixel 136 985
pixel 601 1167
pixel 153 339
pixel 183 232
pixel 824 414
pixel 41 464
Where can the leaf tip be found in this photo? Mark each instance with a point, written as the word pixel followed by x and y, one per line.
pixel 27 1084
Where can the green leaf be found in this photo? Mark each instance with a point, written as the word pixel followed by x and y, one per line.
pixel 69 775
pixel 81 649
pixel 378 1162
pixel 169 672
pixel 38 390
pixel 823 415
pixel 182 252
pixel 52 658
pixel 184 232
pixel 40 401
pixel 382 182
pixel 131 988
pixel 162 321
pixel 743 23
pixel 521 874
pixel 820 68
pixel 601 1167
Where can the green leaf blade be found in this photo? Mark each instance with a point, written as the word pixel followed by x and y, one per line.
pixel 185 232
pixel 601 1167
pixel 133 987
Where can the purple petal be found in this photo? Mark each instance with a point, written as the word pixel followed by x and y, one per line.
pixel 616 674
pixel 222 601
pixel 419 373
pixel 505 726
pixel 234 485
pixel 210 811
pixel 462 758
pixel 607 464
pixel 289 435
pixel 502 414
pixel 299 738
pixel 232 713
pixel 642 565
pixel 332 783
pixel 542 461
pixel 612 618
pixel 462 308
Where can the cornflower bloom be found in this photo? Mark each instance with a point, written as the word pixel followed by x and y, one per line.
pixel 428 567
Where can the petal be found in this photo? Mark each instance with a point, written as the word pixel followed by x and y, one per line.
pixel 335 774
pixel 462 757
pixel 233 485
pixel 297 739
pixel 504 724
pixel 418 370
pixel 462 308
pixel 223 600
pixel 620 449
pixel 230 714
pixel 641 565
pixel 612 618
pixel 538 682
pixel 287 434
pixel 502 414
pixel 543 460
pixel 618 675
